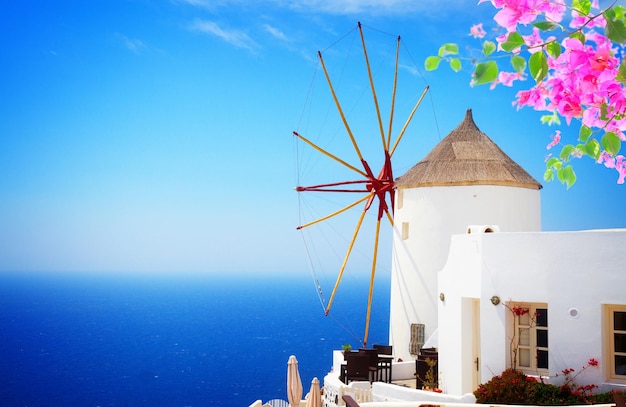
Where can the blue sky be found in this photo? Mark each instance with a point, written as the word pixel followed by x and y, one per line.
pixel 149 135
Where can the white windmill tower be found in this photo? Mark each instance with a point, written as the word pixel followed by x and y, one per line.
pixel 465 180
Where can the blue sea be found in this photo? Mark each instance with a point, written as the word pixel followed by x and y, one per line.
pixel 142 339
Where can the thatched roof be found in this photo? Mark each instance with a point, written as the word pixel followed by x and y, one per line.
pixel 467 157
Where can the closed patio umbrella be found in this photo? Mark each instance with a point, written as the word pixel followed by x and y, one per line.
pixel 315 395
pixel 294 384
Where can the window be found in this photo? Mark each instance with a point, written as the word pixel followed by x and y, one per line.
pixel 616 335
pixel 399 198
pixel 417 338
pixel 405 230
pixel 530 343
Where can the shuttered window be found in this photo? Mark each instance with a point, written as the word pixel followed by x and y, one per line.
pixel 616 343
pixel 530 346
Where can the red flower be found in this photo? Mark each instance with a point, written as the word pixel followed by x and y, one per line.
pixel 519 311
pixel 593 362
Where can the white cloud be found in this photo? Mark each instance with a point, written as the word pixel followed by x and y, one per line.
pixel 133 44
pixel 275 32
pixel 201 3
pixel 234 37
pixel 343 7
pixel 389 7
pixel 195 3
pixel 412 69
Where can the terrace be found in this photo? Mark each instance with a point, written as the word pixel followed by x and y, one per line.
pixel 399 390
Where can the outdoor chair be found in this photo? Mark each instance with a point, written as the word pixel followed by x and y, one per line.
pixel 384 349
pixel 357 367
pixel 372 354
pixel 385 362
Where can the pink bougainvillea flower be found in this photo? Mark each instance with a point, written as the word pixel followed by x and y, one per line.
pixel 576 54
pixel 606 159
pixel 579 20
pixel 477 31
pixel 534 41
pixel 556 139
pixel 554 11
pixel 496 3
pixel 500 39
pixel 580 83
pixel 569 107
pixel 533 97
pixel 620 166
pixel 602 60
pixel 507 78
pixel 509 18
pixel 523 12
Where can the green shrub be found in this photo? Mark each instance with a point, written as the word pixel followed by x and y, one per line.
pixel 544 394
pixel 514 387
pixel 511 387
pixel 606 398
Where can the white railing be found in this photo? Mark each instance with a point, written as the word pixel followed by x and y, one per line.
pixel 391 392
pixel 379 394
pixel 335 389
pixel 271 403
pixel 431 404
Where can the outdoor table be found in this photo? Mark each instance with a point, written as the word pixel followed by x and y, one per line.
pixel 385 362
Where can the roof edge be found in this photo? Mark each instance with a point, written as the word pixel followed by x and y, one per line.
pixel 527 185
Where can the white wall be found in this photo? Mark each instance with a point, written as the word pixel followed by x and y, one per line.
pixel 458 281
pixel 566 270
pixel 433 215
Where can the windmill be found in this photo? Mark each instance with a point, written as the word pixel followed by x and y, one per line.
pixel 375 190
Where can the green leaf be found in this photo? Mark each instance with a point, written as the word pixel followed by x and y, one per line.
pixel 518 63
pixel 485 72
pixel 566 151
pixel 592 149
pixel 548 175
pixel 553 49
pixel 604 110
pixel 611 143
pixel 538 66
pixel 578 35
pixel 551 119
pixel 545 25
pixel 513 41
pixel 615 29
pixel 609 13
pixel 455 64
pixel 488 48
pixel 620 11
pixel 582 6
pixel 621 74
pixel 448 49
pixel 554 162
pixel 432 63
pixel 584 133
pixel 567 176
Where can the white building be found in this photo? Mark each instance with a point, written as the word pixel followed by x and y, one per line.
pixel 448 272
pixel 468 251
